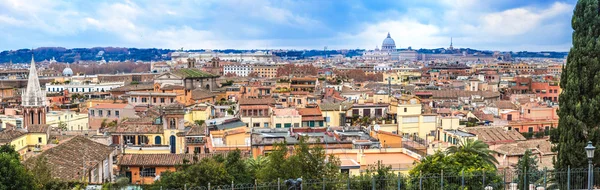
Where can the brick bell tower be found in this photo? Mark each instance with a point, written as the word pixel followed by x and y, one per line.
pixel 33 100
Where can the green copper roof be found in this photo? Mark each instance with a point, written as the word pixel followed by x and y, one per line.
pixel 193 73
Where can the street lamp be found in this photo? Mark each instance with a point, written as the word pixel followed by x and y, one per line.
pixel 589 150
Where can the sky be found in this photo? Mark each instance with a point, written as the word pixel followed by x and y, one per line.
pixel 505 25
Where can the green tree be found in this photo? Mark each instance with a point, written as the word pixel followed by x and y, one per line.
pixel 13 175
pixel 462 160
pixel 42 172
pixel 380 172
pixel 103 124
pixel 199 122
pixel 62 125
pixel 308 162
pixel 237 168
pixel 208 170
pixel 278 165
pixel 527 165
pixel 580 97
pixel 472 147
pixel 256 164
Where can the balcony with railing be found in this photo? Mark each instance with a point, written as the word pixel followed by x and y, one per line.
pixel 195 140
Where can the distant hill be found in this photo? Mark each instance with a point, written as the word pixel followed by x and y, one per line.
pixel 61 54
pixel 85 54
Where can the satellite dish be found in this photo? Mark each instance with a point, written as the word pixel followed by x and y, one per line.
pixel 376 127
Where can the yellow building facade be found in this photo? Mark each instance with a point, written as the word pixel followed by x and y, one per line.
pixel 72 120
pixel 401 77
pixel 411 121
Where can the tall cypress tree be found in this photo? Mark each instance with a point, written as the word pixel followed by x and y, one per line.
pixel 579 110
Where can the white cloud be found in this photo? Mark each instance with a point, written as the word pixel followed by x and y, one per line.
pixel 471 24
pixel 520 20
pixel 253 24
pixel 405 32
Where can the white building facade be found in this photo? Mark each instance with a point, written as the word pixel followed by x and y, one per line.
pixel 241 70
pixel 83 88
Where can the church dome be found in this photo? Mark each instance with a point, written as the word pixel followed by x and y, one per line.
pixel 388 43
pixel 67 72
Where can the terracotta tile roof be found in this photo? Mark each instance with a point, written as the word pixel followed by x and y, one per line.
pixel 256 101
pixel 310 111
pixel 8 135
pixel 482 116
pixel 200 94
pixel 154 159
pixel 496 135
pixel 536 146
pixel 171 87
pixel 196 130
pixel 38 128
pixel 136 129
pixel 66 160
pixel 505 104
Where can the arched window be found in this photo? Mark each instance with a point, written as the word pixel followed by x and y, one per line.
pixel 157 140
pixel 172 124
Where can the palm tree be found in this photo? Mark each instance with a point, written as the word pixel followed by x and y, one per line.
pixel 474 147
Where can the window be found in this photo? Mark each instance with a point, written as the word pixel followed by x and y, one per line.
pixel 530 129
pixel 287 125
pixel 100 113
pixel 108 113
pixel 148 172
pixel 278 125
pixel 517 129
pixel 172 100
pixel 142 139
pixel 320 123
pixel 162 100
pixel 410 120
pixel 266 125
pixel 196 150
pixel 172 124
pixel 129 139
pixel 154 100
pixel 40 140
pixel 117 113
pixel 92 112
pixel 405 110
pixel 144 100
pixel 429 119
pixel 255 124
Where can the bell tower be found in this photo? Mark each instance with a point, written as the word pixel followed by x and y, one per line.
pixel 33 100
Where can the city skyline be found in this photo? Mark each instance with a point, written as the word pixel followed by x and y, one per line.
pixel 504 26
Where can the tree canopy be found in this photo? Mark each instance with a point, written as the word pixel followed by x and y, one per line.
pixel 13 175
pixel 580 97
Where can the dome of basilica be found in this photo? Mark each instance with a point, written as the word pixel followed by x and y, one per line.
pixel 67 72
pixel 388 43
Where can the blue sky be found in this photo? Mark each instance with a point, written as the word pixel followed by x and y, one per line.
pixel 507 25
